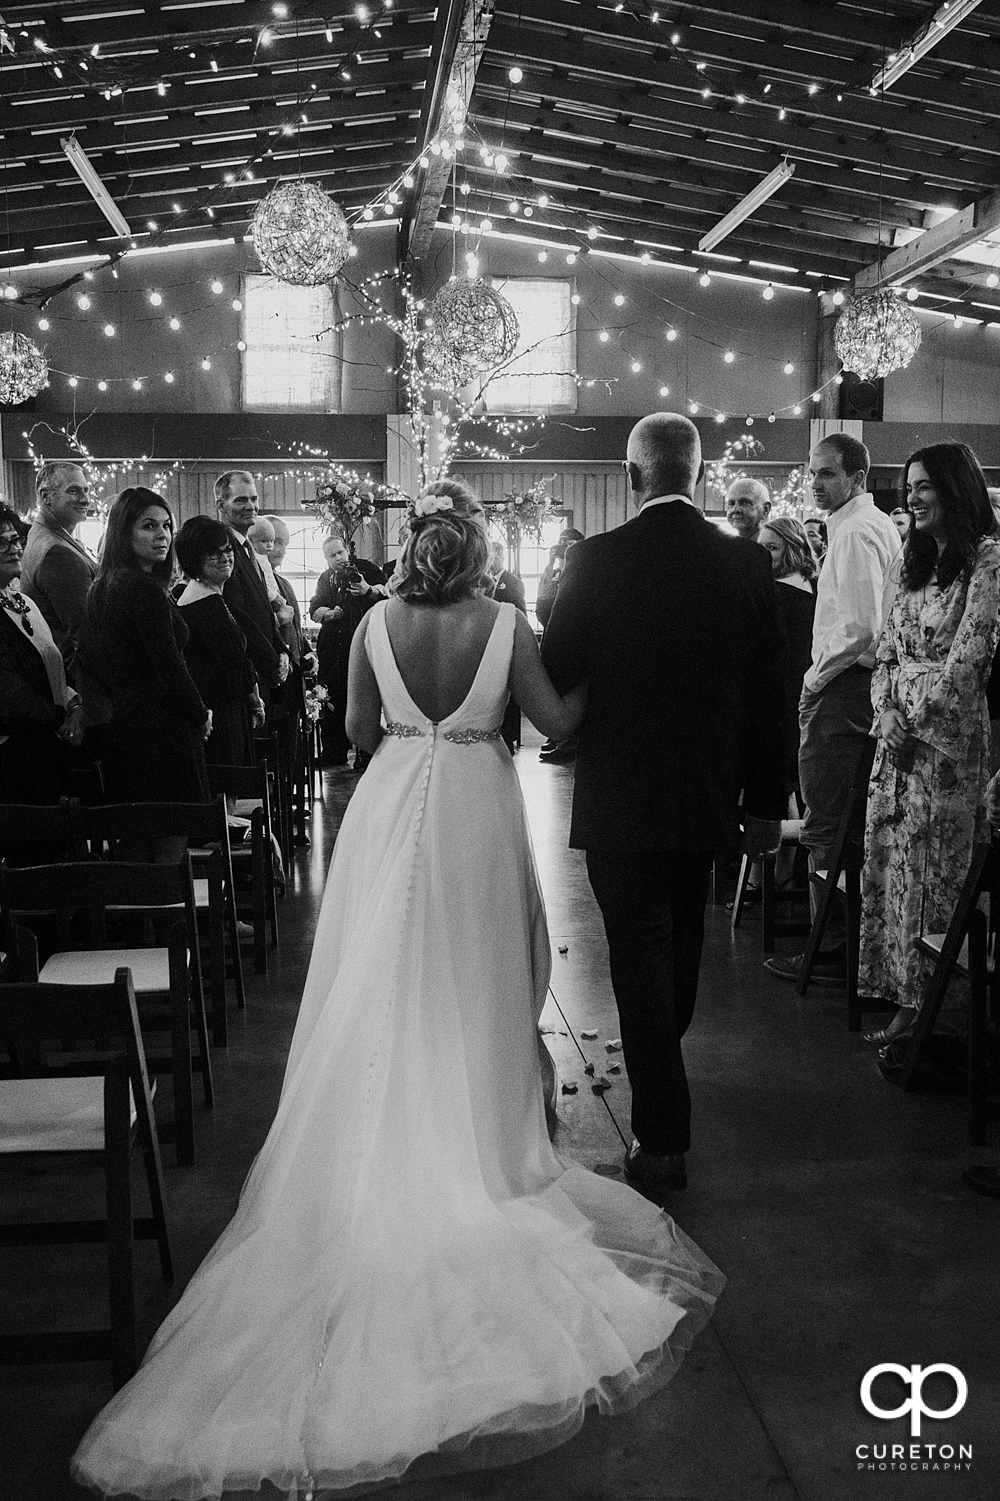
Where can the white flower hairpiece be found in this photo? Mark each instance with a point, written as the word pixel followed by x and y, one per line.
pixel 426 505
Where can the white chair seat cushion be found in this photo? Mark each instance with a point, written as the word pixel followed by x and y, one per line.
pixel 150 968
pixel 53 1115
pixel 841 879
pixel 791 830
pixel 240 817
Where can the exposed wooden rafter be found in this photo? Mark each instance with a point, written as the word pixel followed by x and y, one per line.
pixel 935 245
pixel 465 31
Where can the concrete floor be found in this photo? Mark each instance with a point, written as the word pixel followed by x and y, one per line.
pixel 832 1201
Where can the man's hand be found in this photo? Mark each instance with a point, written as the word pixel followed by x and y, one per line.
pixel 284 667
pixel 761 836
pixel 359 587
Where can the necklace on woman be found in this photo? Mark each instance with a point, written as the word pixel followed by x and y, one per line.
pixel 17 605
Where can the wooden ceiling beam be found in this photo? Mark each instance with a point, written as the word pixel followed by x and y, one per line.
pixel 36 134
pixel 602 57
pixel 83 221
pixel 697 164
pixel 868 32
pixel 193 162
pixel 465 28
pixel 764 129
pixel 201 26
pixel 624 174
pixel 935 245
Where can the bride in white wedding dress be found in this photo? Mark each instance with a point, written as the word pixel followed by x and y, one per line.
pixel 413 1270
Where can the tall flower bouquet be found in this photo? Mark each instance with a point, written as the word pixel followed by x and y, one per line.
pixel 345 500
pixel 523 514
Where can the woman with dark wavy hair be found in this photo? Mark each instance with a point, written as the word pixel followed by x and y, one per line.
pixel 926 800
pixel 136 639
pixel 413 1271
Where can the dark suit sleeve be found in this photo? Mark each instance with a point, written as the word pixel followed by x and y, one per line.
pixel 66 579
pixel 326 597
pixel 765 762
pixel 262 654
pixel 564 645
pixel 515 591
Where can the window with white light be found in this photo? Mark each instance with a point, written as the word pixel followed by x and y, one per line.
pixel 540 377
pixel 291 362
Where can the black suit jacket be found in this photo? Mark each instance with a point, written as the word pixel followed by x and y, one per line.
pixel 674 625
pixel 509 590
pixel 246 595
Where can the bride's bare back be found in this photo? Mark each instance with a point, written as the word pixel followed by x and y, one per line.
pixel 438 649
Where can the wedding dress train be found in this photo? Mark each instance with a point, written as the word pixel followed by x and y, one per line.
pixel 412 1269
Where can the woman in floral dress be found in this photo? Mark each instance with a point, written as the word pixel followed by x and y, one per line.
pixel 926 801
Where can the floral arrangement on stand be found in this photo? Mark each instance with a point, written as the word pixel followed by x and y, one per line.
pixel 345 501
pixel 521 514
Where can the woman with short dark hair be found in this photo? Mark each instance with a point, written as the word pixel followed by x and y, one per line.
pixel 136 639
pixel 926 801
pixel 216 649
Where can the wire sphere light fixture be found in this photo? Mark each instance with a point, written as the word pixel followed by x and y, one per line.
pixel 471 329
pixel 23 369
pixel 876 334
pixel 300 234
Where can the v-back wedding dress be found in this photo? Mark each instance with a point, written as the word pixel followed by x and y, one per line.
pixel 412 1269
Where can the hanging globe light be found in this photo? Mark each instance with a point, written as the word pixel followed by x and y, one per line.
pixel 300 234
pixel 876 334
pixel 23 369
pixel 473 329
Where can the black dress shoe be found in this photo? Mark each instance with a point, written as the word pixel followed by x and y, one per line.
pixel 655 1173
pixel 561 756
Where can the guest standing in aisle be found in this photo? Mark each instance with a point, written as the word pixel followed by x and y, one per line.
pixel 835 711
pixel 245 591
pixel 926 807
pixel 674 626
pixel 154 749
pixel 56 572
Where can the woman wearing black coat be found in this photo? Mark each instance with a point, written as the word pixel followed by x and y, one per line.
pixel 135 642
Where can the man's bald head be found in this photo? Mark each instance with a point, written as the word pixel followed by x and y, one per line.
pixel 748 502
pixel 663 457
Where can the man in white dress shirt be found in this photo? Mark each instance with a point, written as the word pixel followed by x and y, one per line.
pixel 835 711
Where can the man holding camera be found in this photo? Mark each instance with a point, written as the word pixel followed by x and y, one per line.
pixel 344 593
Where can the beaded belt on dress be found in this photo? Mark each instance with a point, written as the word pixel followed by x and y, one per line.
pixel 457 737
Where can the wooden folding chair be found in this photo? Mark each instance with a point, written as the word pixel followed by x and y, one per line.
pixel 843 876
pixel 78 897
pixel 271 751
pixel 771 926
pixel 34 834
pixel 968 947
pixel 98 833
pixel 71 1111
pixel 248 786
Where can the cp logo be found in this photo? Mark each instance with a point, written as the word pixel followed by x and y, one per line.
pixel 914 1376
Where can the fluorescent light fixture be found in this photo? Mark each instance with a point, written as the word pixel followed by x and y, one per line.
pixel 80 162
pixel 748 205
pixel 949 15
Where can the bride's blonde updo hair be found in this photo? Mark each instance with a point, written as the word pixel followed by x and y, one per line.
pixel 447 552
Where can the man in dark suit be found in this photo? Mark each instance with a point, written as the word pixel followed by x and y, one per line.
pixel 245 591
pixel 673 625
pixel 56 572
pixel 507 589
